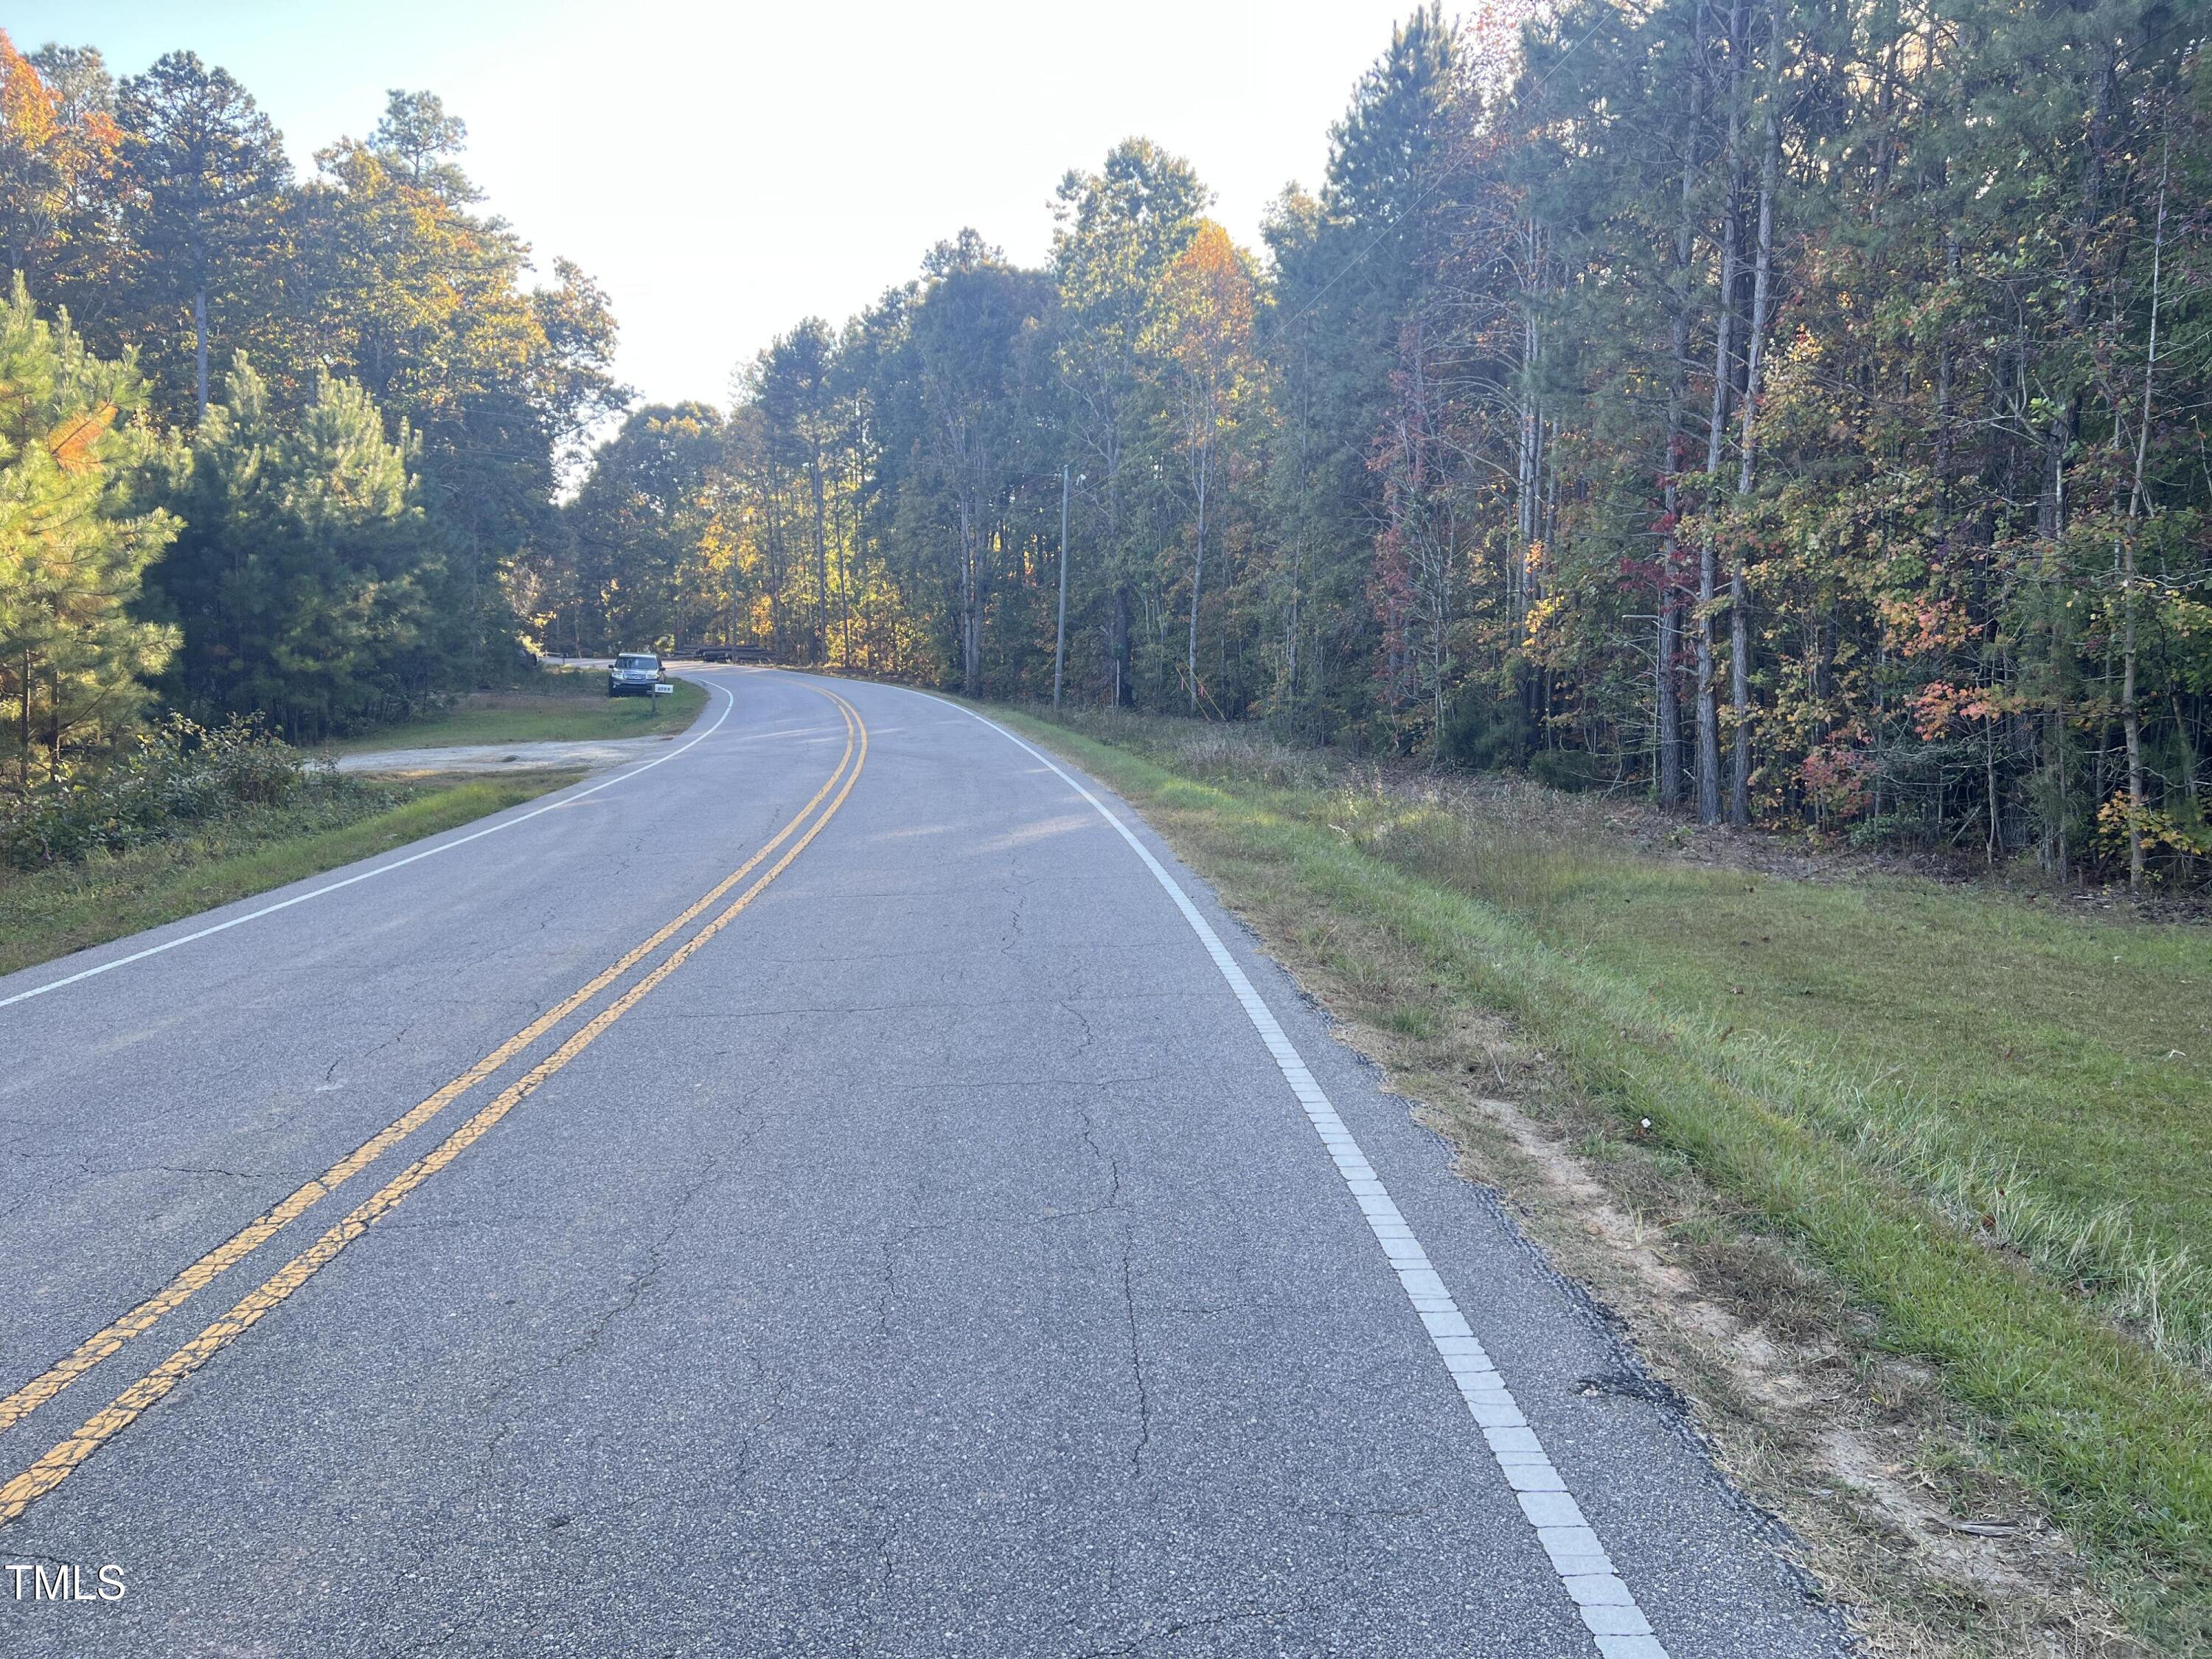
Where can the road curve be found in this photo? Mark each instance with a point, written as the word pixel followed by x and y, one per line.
pixel 839 1187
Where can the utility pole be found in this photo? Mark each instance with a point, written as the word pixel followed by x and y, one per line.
pixel 1059 633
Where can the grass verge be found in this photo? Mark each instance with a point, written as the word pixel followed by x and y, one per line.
pixel 559 706
pixel 1784 1110
pixel 49 913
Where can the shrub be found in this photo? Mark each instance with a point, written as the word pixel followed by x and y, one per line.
pixel 178 774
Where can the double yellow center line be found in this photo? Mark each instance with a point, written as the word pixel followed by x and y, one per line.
pixel 26 1488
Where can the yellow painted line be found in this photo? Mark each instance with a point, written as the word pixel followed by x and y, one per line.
pixel 56 1466
pixel 105 1342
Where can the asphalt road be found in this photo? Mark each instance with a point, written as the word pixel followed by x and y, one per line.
pixel 953 1237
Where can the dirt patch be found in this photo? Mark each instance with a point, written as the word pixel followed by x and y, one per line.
pixel 591 756
pixel 1865 1493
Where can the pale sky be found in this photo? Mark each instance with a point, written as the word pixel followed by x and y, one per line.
pixel 724 170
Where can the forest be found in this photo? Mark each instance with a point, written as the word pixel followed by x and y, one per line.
pixel 273 441
pixel 1791 413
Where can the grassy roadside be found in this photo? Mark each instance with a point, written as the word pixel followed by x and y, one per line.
pixel 50 912
pixel 560 706
pixel 1681 996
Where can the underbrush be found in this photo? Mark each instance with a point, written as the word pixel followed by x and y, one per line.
pixel 173 780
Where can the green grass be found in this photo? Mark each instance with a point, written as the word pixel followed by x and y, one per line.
pixel 2068 1059
pixel 50 912
pixel 561 706
pixel 1870 1068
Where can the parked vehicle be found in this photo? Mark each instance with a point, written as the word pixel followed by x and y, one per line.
pixel 634 675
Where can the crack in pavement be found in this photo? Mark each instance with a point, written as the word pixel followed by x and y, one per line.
pixel 1312 1601
pixel 1088 1131
pixel 1136 1361
pixel 1352 1519
pixel 632 1290
pixel 393 1040
pixel 890 1248
pixel 90 1170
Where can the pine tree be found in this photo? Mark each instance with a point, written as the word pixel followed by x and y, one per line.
pixel 308 580
pixel 76 540
pixel 211 177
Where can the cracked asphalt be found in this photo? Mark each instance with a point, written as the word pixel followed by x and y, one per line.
pixel 935 1263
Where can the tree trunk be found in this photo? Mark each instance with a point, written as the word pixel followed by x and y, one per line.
pixel 23 731
pixel 1528 475
pixel 1761 287
pixel 1060 627
pixel 1709 731
pixel 1990 799
pixel 199 345
pixel 2050 510
pixel 845 537
pixel 1944 361
pixel 1124 684
pixel 820 561
pixel 2188 790
pixel 2138 506
pixel 1667 687
pixel 971 654
pixel 2131 721
pixel 1197 574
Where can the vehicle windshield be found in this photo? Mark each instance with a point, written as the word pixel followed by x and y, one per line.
pixel 637 662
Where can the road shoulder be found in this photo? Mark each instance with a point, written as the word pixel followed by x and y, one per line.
pixel 50 914
pixel 1898 1508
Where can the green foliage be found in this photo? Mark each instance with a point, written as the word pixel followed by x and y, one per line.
pixel 1807 400
pixel 314 586
pixel 422 301
pixel 1348 267
pixel 1120 230
pixel 1783 372
pixel 1488 731
pixel 634 527
pixel 164 214
pixel 173 778
pixel 417 138
pixel 978 353
pixel 76 540
pixel 206 214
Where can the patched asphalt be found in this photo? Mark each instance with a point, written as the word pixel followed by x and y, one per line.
pixel 937 1263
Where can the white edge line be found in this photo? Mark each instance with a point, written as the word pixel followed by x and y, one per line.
pixel 1608 1609
pixel 565 797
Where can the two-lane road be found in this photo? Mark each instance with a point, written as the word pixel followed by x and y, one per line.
pixel 839 1188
